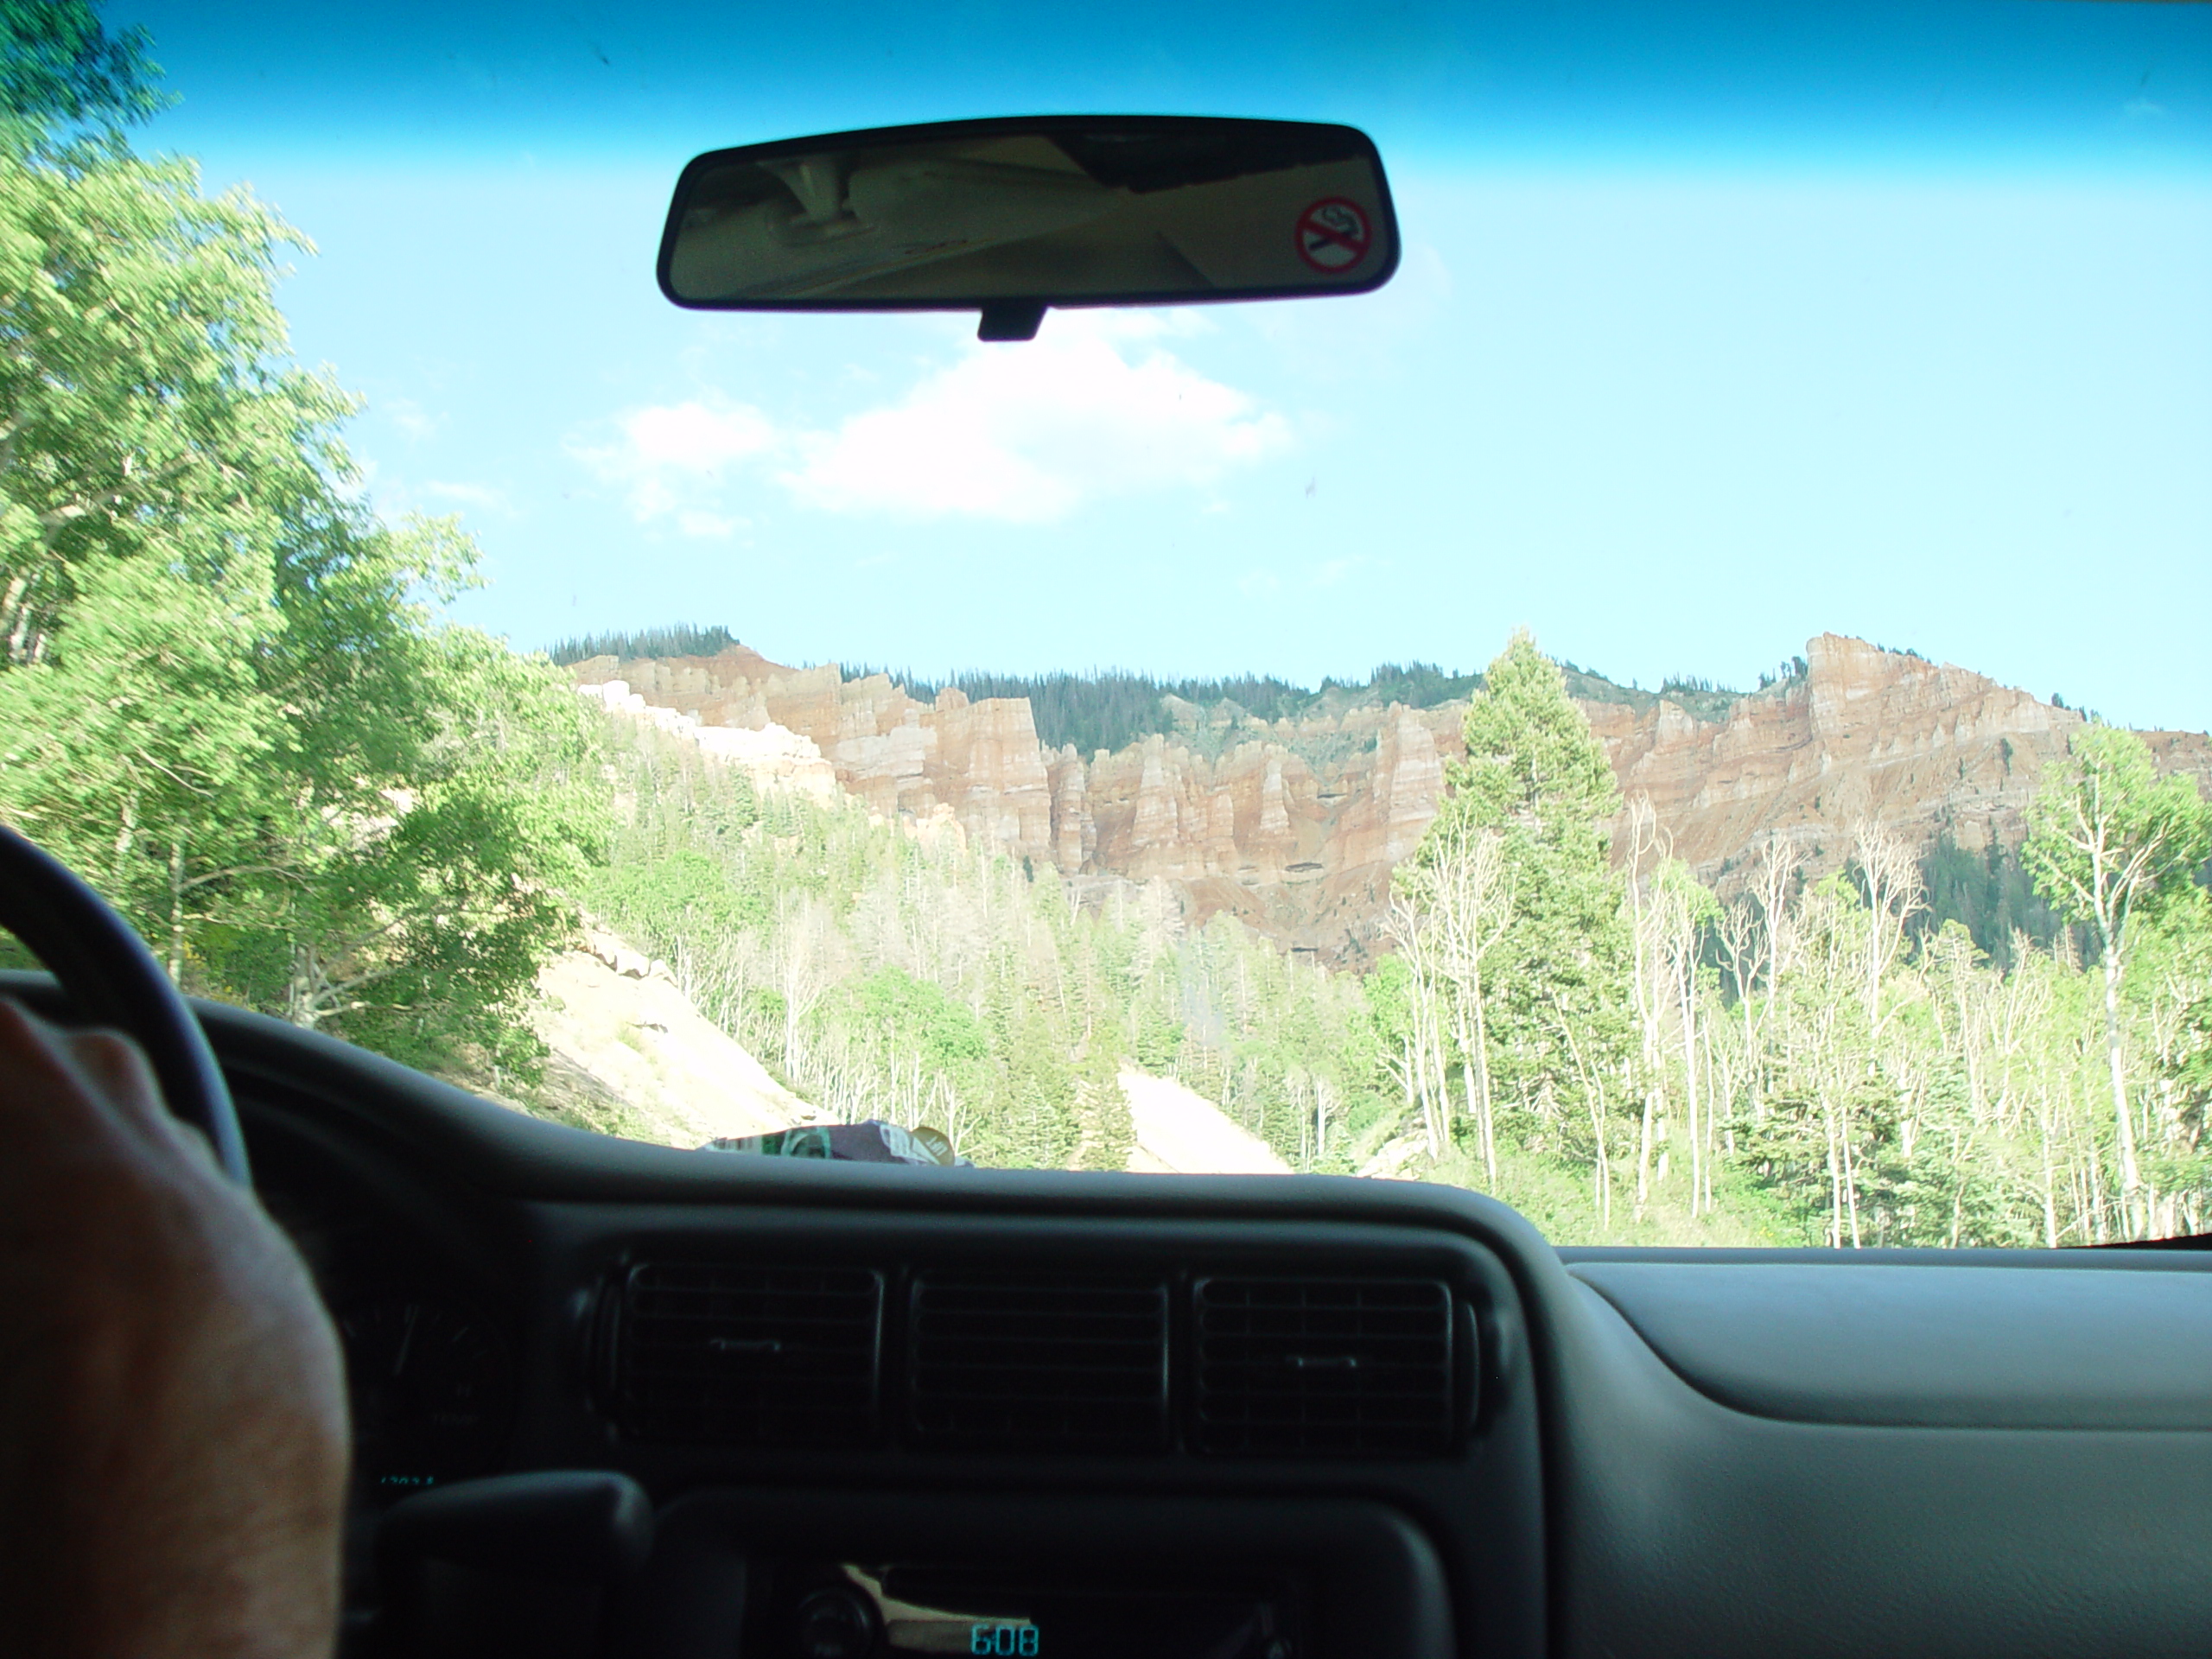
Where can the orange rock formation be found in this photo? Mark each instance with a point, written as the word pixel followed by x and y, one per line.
pixel 1292 826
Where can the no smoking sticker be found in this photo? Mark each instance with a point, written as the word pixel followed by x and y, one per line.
pixel 1333 234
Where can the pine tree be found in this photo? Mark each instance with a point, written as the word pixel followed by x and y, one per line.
pixel 1108 1134
pixel 1537 777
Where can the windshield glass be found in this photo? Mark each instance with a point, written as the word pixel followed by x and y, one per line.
pixel 1683 711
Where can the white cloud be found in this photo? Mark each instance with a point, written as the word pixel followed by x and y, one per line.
pixel 1028 433
pixel 1024 433
pixel 469 495
pixel 672 460
pixel 711 526
pixel 410 418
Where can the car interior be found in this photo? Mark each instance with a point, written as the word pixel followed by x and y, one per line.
pixel 619 1399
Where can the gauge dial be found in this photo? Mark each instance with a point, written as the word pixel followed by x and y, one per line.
pixel 432 1388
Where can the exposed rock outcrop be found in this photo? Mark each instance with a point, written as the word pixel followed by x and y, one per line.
pixel 1924 748
pixel 773 757
pixel 1292 826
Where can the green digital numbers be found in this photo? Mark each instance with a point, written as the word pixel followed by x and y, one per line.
pixel 1008 1641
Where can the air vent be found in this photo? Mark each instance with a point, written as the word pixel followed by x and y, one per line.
pixel 748 1356
pixel 1035 1364
pixel 1324 1366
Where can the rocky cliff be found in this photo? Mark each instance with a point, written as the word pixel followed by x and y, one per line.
pixel 1924 748
pixel 1293 825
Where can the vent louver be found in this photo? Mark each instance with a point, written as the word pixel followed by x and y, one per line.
pixel 761 1356
pixel 1032 1364
pixel 1322 1367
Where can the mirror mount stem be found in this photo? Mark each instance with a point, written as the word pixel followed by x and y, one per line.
pixel 1010 319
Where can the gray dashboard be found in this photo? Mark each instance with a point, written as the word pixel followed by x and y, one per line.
pixel 1662 1452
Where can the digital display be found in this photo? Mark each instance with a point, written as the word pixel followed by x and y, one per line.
pixel 915 1630
pixel 987 1636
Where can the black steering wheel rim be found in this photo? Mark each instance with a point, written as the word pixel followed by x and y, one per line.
pixel 107 970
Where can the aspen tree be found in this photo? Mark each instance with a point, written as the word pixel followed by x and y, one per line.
pixel 2110 841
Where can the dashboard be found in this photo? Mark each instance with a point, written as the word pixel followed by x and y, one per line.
pixel 621 1398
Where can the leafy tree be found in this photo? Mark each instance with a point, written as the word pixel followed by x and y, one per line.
pixel 418 930
pixel 227 696
pixel 2112 843
pixel 917 1015
pixel 57 64
pixel 684 884
pixel 145 409
pixel 2188 1058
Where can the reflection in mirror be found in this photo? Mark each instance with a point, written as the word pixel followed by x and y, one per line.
pixel 1012 216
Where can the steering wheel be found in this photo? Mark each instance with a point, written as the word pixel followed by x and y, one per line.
pixel 107 971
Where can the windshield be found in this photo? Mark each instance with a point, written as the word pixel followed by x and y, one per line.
pixel 1683 711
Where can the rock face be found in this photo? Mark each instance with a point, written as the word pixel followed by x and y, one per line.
pixel 774 758
pixel 1292 826
pixel 1923 748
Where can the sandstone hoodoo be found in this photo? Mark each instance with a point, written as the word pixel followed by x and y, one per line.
pixel 1293 825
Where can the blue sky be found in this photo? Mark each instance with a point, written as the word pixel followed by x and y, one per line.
pixel 1718 326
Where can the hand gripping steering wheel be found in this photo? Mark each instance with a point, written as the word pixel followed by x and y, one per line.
pixel 112 978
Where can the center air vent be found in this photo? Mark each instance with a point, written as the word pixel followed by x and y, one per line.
pixel 1324 1366
pixel 748 1356
pixel 1038 1364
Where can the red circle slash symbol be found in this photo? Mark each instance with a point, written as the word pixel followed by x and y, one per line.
pixel 1333 235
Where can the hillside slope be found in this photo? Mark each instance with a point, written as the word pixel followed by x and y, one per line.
pixel 627 1052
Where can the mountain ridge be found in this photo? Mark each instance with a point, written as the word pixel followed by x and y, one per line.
pixel 1293 824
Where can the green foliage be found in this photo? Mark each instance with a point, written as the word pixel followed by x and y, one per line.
pixel 1534 768
pixel 680 640
pixel 1990 894
pixel 228 697
pixel 57 64
pixel 2180 996
pixel 1854 1062
pixel 684 884
pixel 1793 673
pixel 891 974
pixel 947 1036
pixel 1417 685
pixel 1700 696
pixel 2109 836
pixel 1108 1132
pixel 1111 708
pixel 1861 1073
pixel 1536 776
pixel 1107 708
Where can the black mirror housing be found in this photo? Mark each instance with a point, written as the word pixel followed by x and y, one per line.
pixel 1011 217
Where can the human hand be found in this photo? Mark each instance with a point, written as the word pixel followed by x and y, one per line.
pixel 173 1433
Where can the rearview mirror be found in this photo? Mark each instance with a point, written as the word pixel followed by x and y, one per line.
pixel 1011 217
